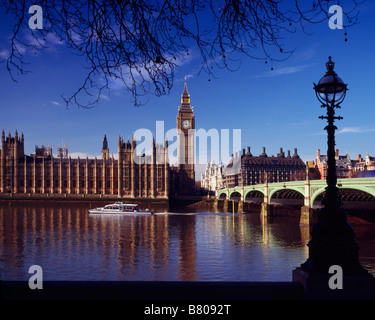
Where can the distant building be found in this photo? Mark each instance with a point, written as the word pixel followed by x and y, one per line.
pixel 366 164
pixel 345 166
pixel 130 175
pixel 245 169
pixel 212 179
pixel 62 152
pixel 42 173
pixel 43 151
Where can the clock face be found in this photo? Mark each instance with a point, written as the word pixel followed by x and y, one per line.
pixel 186 124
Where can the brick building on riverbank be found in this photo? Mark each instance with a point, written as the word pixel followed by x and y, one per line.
pixel 345 166
pixel 246 169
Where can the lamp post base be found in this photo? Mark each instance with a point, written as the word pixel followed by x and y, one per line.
pixel 332 244
pixel 317 286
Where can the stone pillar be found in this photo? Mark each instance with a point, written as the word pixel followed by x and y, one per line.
pixel 119 177
pixel 240 206
pixel 145 179
pixel 216 204
pixel 51 176
pixel 306 210
pixel 69 176
pixel 25 177
pixel 166 170
pixel 34 176
pixel 15 164
pixel 266 193
pixel 265 209
pixel 113 176
pixel 226 205
pixel 305 216
pixel 307 194
pixel 153 168
pixel 87 176
pixel 119 169
pixel 132 169
pixel 95 176
pixel 43 176
pixel 60 176
pixel 103 177
pixel 78 172
pixel 140 189
pixel 2 164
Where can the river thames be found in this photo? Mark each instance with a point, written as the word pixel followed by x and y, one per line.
pixel 69 244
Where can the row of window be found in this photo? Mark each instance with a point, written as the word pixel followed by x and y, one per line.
pixel 47 173
pixel 21 183
pixel 274 169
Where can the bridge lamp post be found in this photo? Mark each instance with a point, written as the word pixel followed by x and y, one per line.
pixel 331 92
pixel 332 238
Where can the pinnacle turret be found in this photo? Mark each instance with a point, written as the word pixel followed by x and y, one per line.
pixel 185 97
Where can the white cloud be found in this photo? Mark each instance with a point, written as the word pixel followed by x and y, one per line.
pixel 140 72
pixel 284 70
pixel 4 54
pixel 56 103
pixel 345 130
pixel 188 76
pixel 50 40
pixel 354 130
pixel 104 97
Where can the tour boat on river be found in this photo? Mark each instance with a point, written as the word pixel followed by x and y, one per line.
pixel 119 207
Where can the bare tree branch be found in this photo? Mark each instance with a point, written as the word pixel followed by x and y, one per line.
pixel 141 42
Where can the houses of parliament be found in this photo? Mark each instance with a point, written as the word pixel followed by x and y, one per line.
pixel 150 176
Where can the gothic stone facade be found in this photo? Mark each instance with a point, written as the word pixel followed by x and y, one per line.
pixel 42 173
pixel 128 176
pixel 212 179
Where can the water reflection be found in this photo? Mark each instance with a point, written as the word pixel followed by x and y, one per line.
pixel 71 245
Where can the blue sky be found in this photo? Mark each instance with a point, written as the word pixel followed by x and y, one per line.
pixel 273 109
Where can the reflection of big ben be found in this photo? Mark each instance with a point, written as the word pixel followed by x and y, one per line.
pixel 186 133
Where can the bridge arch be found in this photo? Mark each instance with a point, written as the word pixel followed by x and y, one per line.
pixel 222 196
pixel 316 195
pixel 254 196
pixel 348 194
pixel 235 196
pixel 288 195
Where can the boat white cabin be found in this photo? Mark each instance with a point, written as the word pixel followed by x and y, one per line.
pixel 119 207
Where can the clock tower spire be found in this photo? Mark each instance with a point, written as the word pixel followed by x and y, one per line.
pixel 186 137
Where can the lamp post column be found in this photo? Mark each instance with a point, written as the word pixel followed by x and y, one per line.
pixel 332 241
pixel 332 195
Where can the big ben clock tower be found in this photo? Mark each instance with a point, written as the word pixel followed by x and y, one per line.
pixel 186 136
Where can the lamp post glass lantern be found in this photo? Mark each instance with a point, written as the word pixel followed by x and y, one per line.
pixel 330 89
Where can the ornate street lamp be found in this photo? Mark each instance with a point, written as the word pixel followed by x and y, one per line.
pixel 331 92
pixel 332 238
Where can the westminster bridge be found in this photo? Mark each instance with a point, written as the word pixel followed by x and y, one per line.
pixel 355 193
